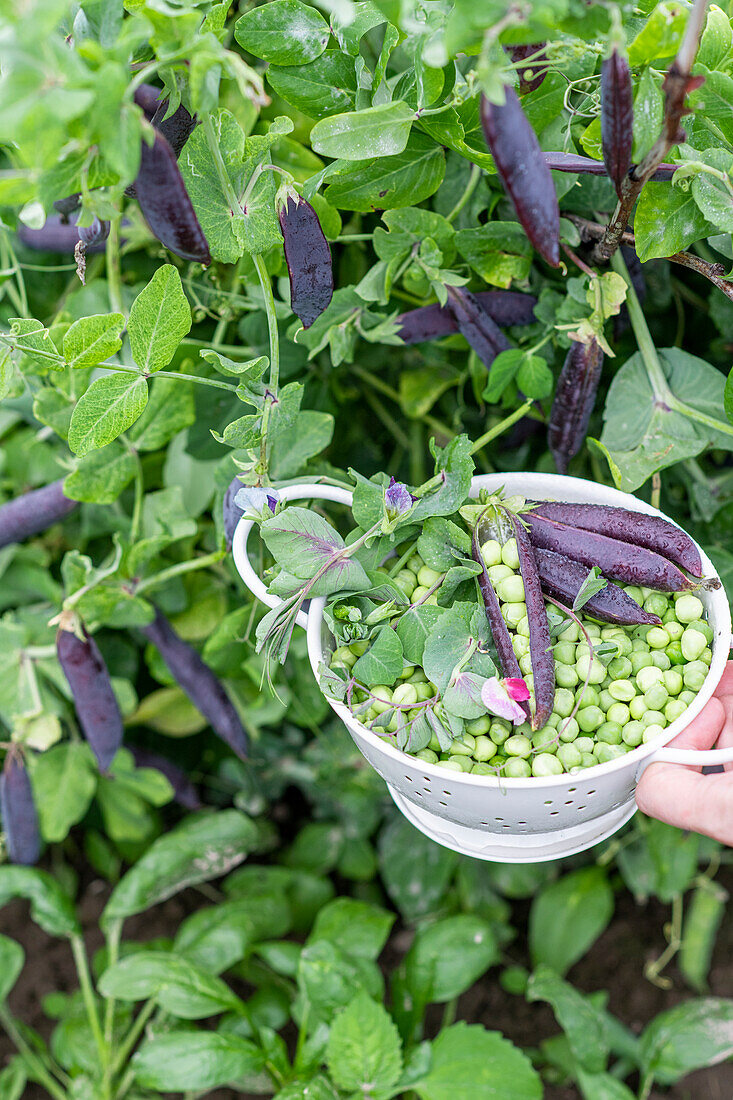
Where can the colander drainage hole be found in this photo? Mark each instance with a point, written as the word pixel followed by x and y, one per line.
pixel 498 819
pixel 554 813
pixel 408 778
pixel 592 792
pixel 427 790
pixel 448 793
pixel 426 778
pixel 581 807
pixel 571 789
pixel 548 802
pixel 442 803
pixel 505 826
pixel 569 803
pixel 521 823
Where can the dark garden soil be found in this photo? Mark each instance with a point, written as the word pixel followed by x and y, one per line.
pixel 615 963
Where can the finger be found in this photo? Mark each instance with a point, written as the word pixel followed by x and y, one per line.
pixel 725 740
pixel 725 687
pixel 689 800
pixel 703 731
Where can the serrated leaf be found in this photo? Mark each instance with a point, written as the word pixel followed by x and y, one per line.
pixel 364 1052
pixel 470 1061
pixel 159 319
pixel 108 408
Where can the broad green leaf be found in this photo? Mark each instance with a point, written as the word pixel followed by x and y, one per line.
pixel 421 388
pixel 100 476
pixel 12 958
pixel 178 985
pixel 329 978
pixel 414 628
pixel 7 373
pixel 64 781
pixel 221 225
pixel 389 182
pixel 602 1086
pixel 382 663
pixel 200 849
pixel 694 1034
pixel 170 410
pixel 91 340
pixel 703 916
pixel 414 870
pixel 182 1061
pixel 728 397
pixel 716 40
pixel 360 135
pixel 534 377
pixel 13 1080
pixel 355 926
pixel 217 937
pixel 660 861
pixel 315 1088
pixel 51 908
pixel 364 1052
pixel 303 542
pixel 711 194
pixel 470 1061
pixel 291 449
pixel 108 408
pixel 326 86
pixel 159 319
pixel 661 34
pixel 498 251
pixel 667 220
pixel 284 32
pixel 568 916
pixel 448 957
pixel 36 342
pixel 648 114
pixel 582 1023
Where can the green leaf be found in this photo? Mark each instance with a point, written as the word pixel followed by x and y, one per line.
pixel 51 908
pixel 568 916
pixel 470 1061
pixel 503 370
pixel 703 916
pixel 100 476
pixel 648 114
pixel 389 182
pixel 326 86
pixel 667 220
pixel 660 36
pixel 660 861
pixel 415 871
pixel 728 397
pixel 291 449
pixel 498 251
pixel 217 937
pixel 591 586
pixel 222 226
pixel 602 1086
pixel 91 340
pixel 170 410
pixel 109 407
pixel 12 958
pixel 414 628
pixel 13 1080
pixel 582 1023
pixel 64 781
pixel 711 194
pixel 364 1053
pixel 177 985
pixel 303 542
pixel 329 978
pixel 534 377
pixel 357 927
pixel 382 663
pixel 685 1038
pixel 200 849
pixel 284 32
pixel 446 958
pixel 376 131
pixel 182 1061
pixel 159 319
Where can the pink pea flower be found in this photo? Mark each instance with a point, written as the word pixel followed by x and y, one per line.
pixel 502 697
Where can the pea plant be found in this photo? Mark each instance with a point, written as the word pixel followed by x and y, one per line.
pixel 248 244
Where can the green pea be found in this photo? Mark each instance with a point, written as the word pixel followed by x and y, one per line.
pixel 694 675
pixel 640 661
pixel 520 645
pixel 545 740
pixel 424 692
pixel 673 681
pixel 619 712
pixel 513 613
pixel 589 698
pixel 688 608
pixel 625 645
pixel 646 677
pixel 675 630
pixel 653 718
pixel 658 638
pixel 609 733
pixel 652 731
pixel 523 627
pixel 499 573
pixel 592 629
pixel 544 764
pixel 704 628
pixel 622 690
pixel 498 761
pixel 482 769
pixel 419 594
pixel 343 656
pixel 407 673
pixel 637 708
pixel 584 744
pixel 511 589
pixel 451 764
pixel 588 760
pixel 609 633
pixel 554 720
pixel 516 768
pixel 518 745
pixel 404 693
pixel 606 699
pixel 674 709
pixel 434 744
pixel 693 642
pixel 656 697
pixel 465 761
pixel 619 668
pixel 510 553
pixel 427 755
pixel 590 718
pixel 687 696
pixel 569 632
pixel 706 656
pixel 415 564
pixel 500 730
pixel 463 745
pixel 491 553
pixel 661 660
pixel 418 676
pixel 604 754
pixel 593 669
pixel 428 577
pixel 634 592
pixel 525 663
pixel 632 734
pixel 407 581
pixel 359 648
pixel 674 652
pixel 568 730
pixel 639 644
pixel 484 749
pixel 367 715
pixel 564 653
pixel 566 676
pixel 381 698
pixel 569 756
pixel 564 702
pixel 478 726
pixel 656 604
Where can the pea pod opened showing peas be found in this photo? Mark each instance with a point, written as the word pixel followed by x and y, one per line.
pixel 480 645
pixel 307 255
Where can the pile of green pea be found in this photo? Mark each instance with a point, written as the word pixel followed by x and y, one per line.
pixel 602 709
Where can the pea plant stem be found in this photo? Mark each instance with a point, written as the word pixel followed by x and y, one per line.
pixel 176 570
pixel 274 380
pixel 221 169
pixel 112 261
pixel 468 190
pixel 113 936
pixel 85 982
pixel 32 1060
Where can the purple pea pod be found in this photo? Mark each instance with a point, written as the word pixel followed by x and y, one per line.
pixel 199 682
pixel 504 307
pixel 33 512
pixel 475 325
pixel 96 233
pixel 563 578
pixel 176 129
pixel 56 235
pixel 184 792
pixel 530 78
pixel 522 169
pixel 652 532
pixel 165 203
pixel 575 396
pixel 18 811
pixel 91 689
pixel 68 206
pixel 543 664
pixel 308 257
pixel 617 117
pixel 574 162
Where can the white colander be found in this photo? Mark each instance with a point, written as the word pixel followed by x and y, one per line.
pixel 511 820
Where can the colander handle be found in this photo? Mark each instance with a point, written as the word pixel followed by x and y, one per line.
pixel 693 757
pixel 243 528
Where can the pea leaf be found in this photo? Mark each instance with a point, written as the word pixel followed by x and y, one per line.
pixel 568 916
pixel 382 662
pixel 470 1061
pixel 591 586
pixel 414 628
pixel 200 1060
pixel 355 926
pixel 326 86
pixel 284 32
pixel 159 319
pixel 101 475
pixel 64 780
pixel 302 543
pixel 582 1023
pixel 388 182
pixel 91 340
pixel 222 226
pixel 667 220
pixel 534 377
pixel 360 135
pixel 364 1052
pixel 446 958
pixel 498 251
pixel 170 410
pixel 415 871
pixel 107 409
pixel 711 194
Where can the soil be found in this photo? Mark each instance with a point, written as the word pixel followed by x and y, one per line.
pixel 615 963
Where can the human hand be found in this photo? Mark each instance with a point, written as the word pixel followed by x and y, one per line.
pixel 683 796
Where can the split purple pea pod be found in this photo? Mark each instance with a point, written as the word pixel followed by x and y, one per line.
pixel 500 524
pixel 307 254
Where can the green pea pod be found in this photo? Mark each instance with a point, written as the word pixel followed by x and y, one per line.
pixel 701 926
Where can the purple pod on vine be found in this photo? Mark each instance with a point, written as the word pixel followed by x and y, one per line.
pixel 574 162
pixel 33 512
pixel 18 811
pixel 96 233
pixel 165 203
pixel 563 578
pixel 177 128
pixel 575 396
pixel 308 256
pixel 56 235
pixel 522 169
pixel 617 117
pixel 184 792
pixel 91 688
pixel 475 325
pixel 531 75
pixel 199 682
pixel 504 307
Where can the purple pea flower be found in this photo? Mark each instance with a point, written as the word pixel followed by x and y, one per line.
pixel 257 503
pixel 398 499
pixel 502 697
